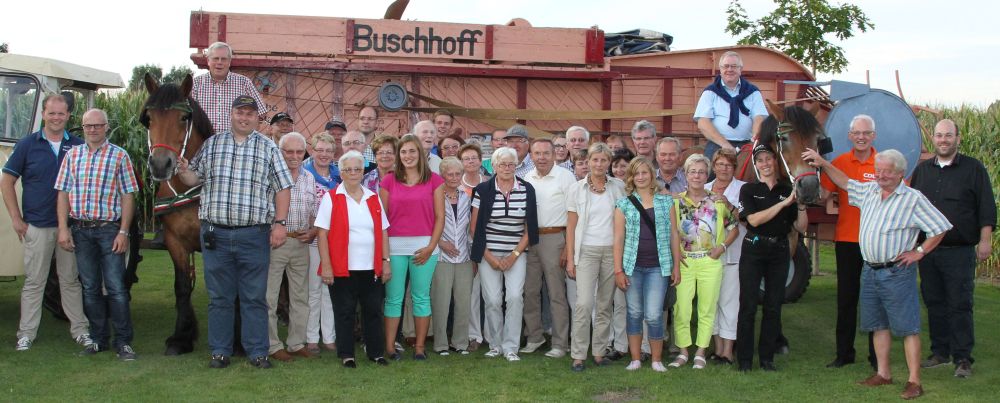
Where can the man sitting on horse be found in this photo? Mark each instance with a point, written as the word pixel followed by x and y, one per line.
pixel 730 110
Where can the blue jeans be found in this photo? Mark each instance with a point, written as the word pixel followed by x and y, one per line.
pixel 711 147
pixel 889 300
pixel 644 299
pixel 98 266
pixel 237 266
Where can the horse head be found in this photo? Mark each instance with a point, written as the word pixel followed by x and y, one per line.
pixel 176 125
pixel 790 130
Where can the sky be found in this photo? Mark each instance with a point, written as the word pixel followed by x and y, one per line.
pixel 946 54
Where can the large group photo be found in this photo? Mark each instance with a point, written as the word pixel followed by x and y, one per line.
pixel 324 207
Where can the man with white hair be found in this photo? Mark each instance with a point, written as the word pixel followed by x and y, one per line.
pixel 427 133
pixel 292 258
pixel 577 138
pixel 355 140
pixel 892 217
pixel 216 90
pixel 731 109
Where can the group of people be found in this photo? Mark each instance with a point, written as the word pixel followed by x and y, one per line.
pixel 588 241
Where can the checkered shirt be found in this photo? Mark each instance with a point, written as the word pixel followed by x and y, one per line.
pixel 304 202
pixel 95 181
pixel 216 98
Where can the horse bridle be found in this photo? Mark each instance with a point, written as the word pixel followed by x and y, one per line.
pixel 824 144
pixel 183 106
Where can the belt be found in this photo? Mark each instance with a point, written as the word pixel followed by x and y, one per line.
pixel 880 266
pixel 753 237
pixel 695 255
pixel 232 226
pixel 93 223
pixel 551 230
pixel 295 234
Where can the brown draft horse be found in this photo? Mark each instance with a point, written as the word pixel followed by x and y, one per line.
pixel 177 126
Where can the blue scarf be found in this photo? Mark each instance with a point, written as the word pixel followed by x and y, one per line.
pixel 327 184
pixel 736 105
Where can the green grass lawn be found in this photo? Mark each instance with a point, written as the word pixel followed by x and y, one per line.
pixel 51 371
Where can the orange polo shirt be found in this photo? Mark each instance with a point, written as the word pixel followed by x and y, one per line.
pixel 849 217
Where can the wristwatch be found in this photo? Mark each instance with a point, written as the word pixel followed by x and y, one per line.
pixel 282 222
pixel 920 250
pixel 515 253
pixel 387 260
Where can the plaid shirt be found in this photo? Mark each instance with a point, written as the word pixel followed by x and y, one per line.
pixel 240 180
pixel 304 202
pixel 95 181
pixel 216 98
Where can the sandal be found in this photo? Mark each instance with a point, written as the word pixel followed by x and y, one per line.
pixel 679 361
pixel 699 362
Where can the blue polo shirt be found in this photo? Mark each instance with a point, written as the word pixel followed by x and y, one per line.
pixel 712 107
pixel 35 163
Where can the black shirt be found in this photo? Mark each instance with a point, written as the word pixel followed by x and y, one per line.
pixel 962 191
pixel 756 197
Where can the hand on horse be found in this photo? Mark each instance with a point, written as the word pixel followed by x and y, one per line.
pixel 813 158
pixel 182 164
pixel 278 235
pixel 66 239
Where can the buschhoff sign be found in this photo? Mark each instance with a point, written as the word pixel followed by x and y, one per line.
pixel 418 41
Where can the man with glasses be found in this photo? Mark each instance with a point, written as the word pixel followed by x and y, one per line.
pixel 644 139
pixel 858 164
pixel 577 138
pixel 367 124
pixel 96 187
pixel 496 141
pixel 517 138
pixel 668 158
pixel 216 90
pixel 730 110
pixel 36 160
pixel 355 140
pixel 281 124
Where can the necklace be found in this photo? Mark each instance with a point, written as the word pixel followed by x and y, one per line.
pixel 451 197
pixel 469 185
pixel 593 188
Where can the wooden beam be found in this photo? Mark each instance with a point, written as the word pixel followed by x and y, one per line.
pixel 489 42
pixel 199 31
pixel 349 36
pixel 606 104
pixel 222 28
pixel 522 96
pixel 668 103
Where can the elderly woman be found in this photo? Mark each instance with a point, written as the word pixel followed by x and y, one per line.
pixel 590 206
pixel 415 201
pixel 705 228
pixel 620 162
pixel 384 148
pixel 454 271
pixel 769 208
pixel 504 224
pixel 473 173
pixel 327 176
pixel 643 252
pixel 353 251
pixel 448 146
pixel 725 184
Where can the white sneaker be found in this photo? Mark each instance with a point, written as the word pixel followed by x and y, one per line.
pixel 399 348
pixel 512 356
pixel 84 340
pixel 658 367
pixel 555 353
pixel 492 353
pixel 634 365
pixel 23 344
pixel 531 347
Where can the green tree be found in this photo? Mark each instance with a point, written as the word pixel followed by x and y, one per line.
pixel 4 48
pixel 138 72
pixel 800 28
pixel 177 74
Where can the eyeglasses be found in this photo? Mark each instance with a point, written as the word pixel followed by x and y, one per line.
pixel 352 170
pixel 731 66
pixel 699 173
pixel 559 146
pixel 650 138
pixel 506 165
pixel 861 132
pixel 577 140
pixel 471 159
pixel 386 153
pixel 94 126
pixel 348 143
pixel 451 147
pixel 720 165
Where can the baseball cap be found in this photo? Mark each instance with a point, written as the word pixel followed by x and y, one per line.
pixel 517 131
pixel 244 100
pixel 335 122
pixel 281 116
pixel 761 148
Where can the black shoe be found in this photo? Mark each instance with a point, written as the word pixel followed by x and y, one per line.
pixel 218 361
pixel 395 357
pixel 725 361
pixel 381 361
pixel 578 367
pixel 768 366
pixel 614 355
pixel 126 353
pixel 745 367
pixel 963 368
pixel 349 363
pixel 603 362
pixel 839 362
pixel 91 349
pixel 419 357
pixel 715 358
pixel 261 362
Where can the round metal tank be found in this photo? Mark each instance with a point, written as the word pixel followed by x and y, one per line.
pixel 896 126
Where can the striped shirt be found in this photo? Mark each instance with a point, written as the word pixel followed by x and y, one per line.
pixel 890 227
pixel 305 198
pixel 240 180
pixel 216 98
pixel 95 181
pixel 506 224
pixel 456 228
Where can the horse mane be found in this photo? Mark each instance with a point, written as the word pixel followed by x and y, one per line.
pixel 169 94
pixel 802 121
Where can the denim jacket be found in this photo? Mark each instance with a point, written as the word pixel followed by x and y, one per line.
pixel 661 208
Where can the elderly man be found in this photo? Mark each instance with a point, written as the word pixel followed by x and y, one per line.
pixel 668 158
pixel 36 160
pixel 545 260
pixel 354 140
pixel 959 186
pixel 892 216
pixel 517 138
pixel 496 141
pixel 336 128
pixel 427 133
pixel 281 124
pixel 367 124
pixel 96 184
pixel 858 164
pixel 577 139
pixel 644 139
pixel 292 258
pixel 244 209
pixel 216 90
pixel 730 110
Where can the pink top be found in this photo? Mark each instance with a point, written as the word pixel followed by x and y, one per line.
pixel 411 208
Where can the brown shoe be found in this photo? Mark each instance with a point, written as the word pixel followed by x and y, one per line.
pixel 313 348
pixel 303 352
pixel 282 355
pixel 473 346
pixel 912 391
pixel 875 380
pixel 330 346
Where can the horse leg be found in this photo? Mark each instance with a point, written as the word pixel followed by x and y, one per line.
pixel 186 323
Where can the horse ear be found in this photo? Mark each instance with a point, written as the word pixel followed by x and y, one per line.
pixel 812 108
pixel 151 84
pixel 186 85
pixel 775 110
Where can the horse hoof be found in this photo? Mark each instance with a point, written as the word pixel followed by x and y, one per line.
pixel 176 350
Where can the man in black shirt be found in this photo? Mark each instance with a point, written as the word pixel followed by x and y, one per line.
pixel 959 186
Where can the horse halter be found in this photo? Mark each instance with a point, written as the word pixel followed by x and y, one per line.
pixel 824 144
pixel 183 106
